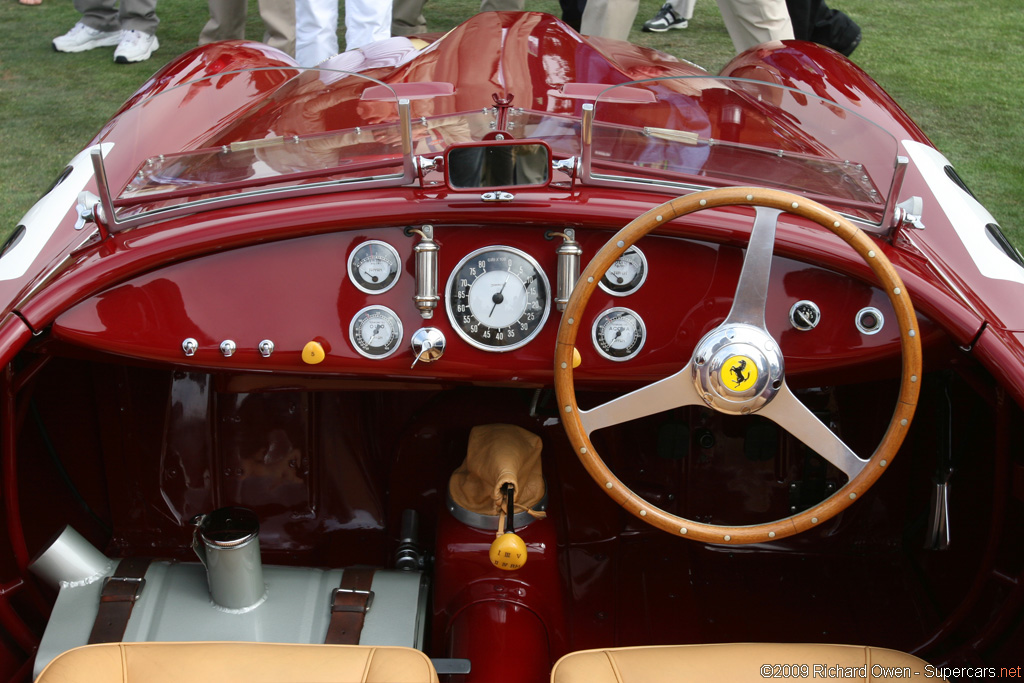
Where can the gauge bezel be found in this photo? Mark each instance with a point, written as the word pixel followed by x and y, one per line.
pixel 869 310
pixel 643 276
pixel 792 315
pixel 451 314
pixel 352 332
pixel 353 274
pixel 640 325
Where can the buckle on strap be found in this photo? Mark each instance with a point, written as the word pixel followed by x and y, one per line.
pixel 351 600
pixel 122 588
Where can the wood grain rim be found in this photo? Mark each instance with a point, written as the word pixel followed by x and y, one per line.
pixel 886 450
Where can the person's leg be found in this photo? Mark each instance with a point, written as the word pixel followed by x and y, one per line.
pixel 683 8
pixel 366 21
pixel 752 22
pixel 279 24
pixel 609 18
pixel 316 31
pixel 407 17
pixel 803 14
pixel 502 5
pixel 139 15
pixel 572 12
pixel 227 21
pixel 101 15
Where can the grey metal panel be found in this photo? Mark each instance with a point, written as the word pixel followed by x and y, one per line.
pixel 176 606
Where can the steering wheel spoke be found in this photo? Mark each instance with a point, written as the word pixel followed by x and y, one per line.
pixel 787 411
pixel 674 391
pixel 752 289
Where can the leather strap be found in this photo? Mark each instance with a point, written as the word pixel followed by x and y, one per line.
pixel 349 604
pixel 117 599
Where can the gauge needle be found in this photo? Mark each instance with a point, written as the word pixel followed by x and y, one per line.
pixel 498 298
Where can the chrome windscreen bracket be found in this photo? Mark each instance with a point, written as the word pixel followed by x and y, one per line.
pixel 889 212
pixel 104 213
pixel 586 141
pixel 405 125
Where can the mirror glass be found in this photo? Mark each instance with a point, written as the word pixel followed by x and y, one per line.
pixel 501 165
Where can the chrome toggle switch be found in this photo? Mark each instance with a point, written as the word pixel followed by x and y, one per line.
pixel 189 346
pixel 266 348
pixel 227 347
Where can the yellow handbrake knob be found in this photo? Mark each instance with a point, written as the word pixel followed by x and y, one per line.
pixel 313 353
pixel 508 552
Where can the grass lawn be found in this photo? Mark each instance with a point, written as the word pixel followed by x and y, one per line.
pixel 956 67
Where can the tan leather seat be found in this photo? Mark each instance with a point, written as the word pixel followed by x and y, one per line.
pixel 737 662
pixel 238 662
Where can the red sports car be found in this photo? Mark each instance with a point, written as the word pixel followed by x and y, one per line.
pixel 504 355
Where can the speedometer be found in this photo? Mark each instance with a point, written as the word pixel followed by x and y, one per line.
pixel 498 298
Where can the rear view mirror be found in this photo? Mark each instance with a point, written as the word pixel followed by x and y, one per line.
pixel 498 164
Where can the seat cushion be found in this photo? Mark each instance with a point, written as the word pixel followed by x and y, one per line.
pixel 735 662
pixel 242 662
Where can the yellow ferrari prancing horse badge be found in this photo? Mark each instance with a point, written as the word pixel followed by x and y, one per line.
pixel 739 373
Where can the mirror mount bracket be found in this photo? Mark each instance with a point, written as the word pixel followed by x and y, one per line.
pixel 502 105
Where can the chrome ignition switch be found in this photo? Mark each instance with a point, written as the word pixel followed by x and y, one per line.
pixel 569 253
pixel 427 345
pixel 426 249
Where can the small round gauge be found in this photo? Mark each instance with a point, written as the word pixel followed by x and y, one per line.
pixel 627 273
pixel 376 332
pixel 619 334
pixel 498 298
pixel 804 315
pixel 373 266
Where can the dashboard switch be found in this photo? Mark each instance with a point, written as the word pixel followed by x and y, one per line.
pixel 869 320
pixel 313 353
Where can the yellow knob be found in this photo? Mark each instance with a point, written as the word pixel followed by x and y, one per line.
pixel 313 353
pixel 576 358
pixel 508 552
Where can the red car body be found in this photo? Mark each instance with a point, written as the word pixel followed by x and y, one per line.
pixel 213 230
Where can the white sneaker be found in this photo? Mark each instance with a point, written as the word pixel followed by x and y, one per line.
pixel 81 38
pixel 135 46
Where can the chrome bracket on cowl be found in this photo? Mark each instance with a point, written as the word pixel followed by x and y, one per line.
pixel 86 208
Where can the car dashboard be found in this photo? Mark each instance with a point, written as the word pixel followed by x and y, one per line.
pixel 351 304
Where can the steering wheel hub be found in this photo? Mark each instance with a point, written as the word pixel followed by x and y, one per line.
pixel 737 369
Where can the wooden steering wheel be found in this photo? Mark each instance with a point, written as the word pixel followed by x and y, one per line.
pixel 737 368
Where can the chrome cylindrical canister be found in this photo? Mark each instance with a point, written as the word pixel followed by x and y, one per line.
pixel 227 543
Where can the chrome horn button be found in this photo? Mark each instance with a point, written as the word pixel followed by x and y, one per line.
pixel 737 369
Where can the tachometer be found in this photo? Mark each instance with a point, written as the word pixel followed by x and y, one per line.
pixel 498 298
pixel 373 266
pixel 619 334
pixel 376 332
